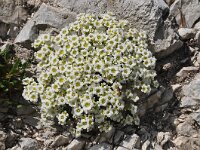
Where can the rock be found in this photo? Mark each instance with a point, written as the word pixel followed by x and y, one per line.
pixel 61 141
pixel 28 144
pixel 186 128
pixel 197 38
pixel 118 136
pixel 166 41
pixel 187 143
pixel 163 137
pixel 146 145
pixel 3 137
pixel 196 116
pixel 102 146
pixel 187 102
pixel 11 17
pixel 187 33
pixel 45 17
pixel 11 139
pixel 76 144
pixel 3 30
pixel 121 148
pixel 145 15
pixel 17 123
pixel 175 87
pixel 166 96
pixel 16 147
pixel 106 136
pixel 150 102
pixel 37 3
pixel 32 120
pixel 161 108
pixel 183 73
pixel 193 88
pixel 10 12
pixel 48 142
pixel 131 142
pixel 190 10
pixel 25 110
pixel 197 25
pixel 3 109
pixel 2 117
pixel 169 2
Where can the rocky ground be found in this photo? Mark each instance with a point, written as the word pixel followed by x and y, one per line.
pixel 170 115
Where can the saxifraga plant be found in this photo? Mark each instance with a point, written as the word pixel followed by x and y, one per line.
pixel 83 73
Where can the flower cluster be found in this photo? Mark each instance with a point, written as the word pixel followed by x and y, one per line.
pixel 89 73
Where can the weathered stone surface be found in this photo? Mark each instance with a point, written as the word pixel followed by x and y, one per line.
pixel 25 110
pixel 150 102
pixel 145 15
pixel 193 89
pixel 186 128
pixel 163 137
pixel 196 116
pixel 190 10
pixel 11 139
pixel 76 144
pixel 146 145
pixel 106 136
pixel 187 143
pixel 131 142
pixel 187 33
pixel 188 101
pixel 29 144
pixel 2 140
pixel 197 38
pixel 121 148
pixel 197 25
pixel 118 136
pixel 166 40
pixel 45 17
pixel 183 73
pixel 102 146
pixel 61 141
pixel 11 12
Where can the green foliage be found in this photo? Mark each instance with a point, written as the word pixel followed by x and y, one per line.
pixel 12 71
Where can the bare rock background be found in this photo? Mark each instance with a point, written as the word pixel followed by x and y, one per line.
pixel 170 115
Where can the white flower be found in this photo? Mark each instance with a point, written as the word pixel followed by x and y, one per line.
pixel 55 87
pixel 61 80
pixel 62 117
pixel 54 70
pixel 87 105
pixel 103 101
pixel 77 111
pixel 78 84
pixel 61 100
pixel 33 97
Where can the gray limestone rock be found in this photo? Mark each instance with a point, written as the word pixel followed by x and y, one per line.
pixel 3 137
pixel 190 10
pixel 29 144
pixel 45 17
pixel 61 141
pixel 144 15
pixel 102 146
pixel 187 33
pixel 76 144
pixel 131 142
pixel 193 88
